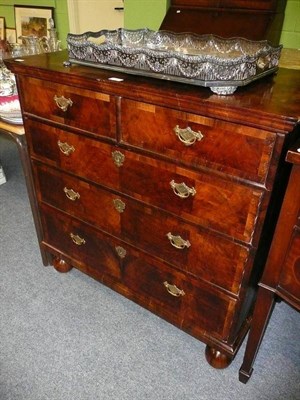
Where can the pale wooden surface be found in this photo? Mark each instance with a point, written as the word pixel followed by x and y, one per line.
pixel 290 58
pixel 16 129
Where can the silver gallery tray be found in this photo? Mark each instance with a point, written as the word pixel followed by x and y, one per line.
pixel 203 60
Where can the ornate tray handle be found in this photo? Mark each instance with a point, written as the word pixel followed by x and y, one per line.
pixel 173 290
pixel 71 194
pixel 77 239
pixel 178 242
pixel 65 148
pixel 182 190
pixel 187 136
pixel 62 102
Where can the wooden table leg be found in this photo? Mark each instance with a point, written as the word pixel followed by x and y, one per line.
pixel 262 313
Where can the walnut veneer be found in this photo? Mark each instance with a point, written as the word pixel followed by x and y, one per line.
pixel 165 192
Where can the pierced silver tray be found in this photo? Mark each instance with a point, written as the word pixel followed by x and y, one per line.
pixel 203 60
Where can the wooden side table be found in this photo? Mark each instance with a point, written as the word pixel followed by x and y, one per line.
pixel 282 272
pixel 17 133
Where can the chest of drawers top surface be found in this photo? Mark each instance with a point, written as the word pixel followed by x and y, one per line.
pixel 272 102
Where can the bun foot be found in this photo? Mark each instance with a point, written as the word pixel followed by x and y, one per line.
pixel 61 266
pixel 217 359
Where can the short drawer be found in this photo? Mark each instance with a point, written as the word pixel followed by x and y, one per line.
pixel 290 274
pixel 215 203
pixel 77 108
pixel 198 141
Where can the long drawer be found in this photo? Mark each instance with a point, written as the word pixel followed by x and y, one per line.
pixel 90 111
pixel 198 141
pixel 212 202
pixel 184 301
pixel 158 233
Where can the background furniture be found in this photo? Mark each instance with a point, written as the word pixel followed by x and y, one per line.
pixel 281 277
pixel 18 134
pixel 163 191
pixel 252 19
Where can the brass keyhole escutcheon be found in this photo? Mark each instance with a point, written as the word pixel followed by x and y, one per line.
pixel 121 251
pixel 119 205
pixel 118 158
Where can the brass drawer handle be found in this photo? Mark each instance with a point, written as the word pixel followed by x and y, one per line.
pixel 119 205
pixel 65 148
pixel 77 239
pixel 182 190
pixel 187 136
pixel 118 158
pixel 62 102
pixel 71 194
pixel 178 242
pixel 121 251
pixel 173 290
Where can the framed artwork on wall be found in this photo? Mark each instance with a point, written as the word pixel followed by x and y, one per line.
pixel 32 20
pixel 11 36
pixel 2 28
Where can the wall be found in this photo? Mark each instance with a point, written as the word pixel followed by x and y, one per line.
pixel 60 13
pixel 145 13
pixel 150 13
pixel 290 36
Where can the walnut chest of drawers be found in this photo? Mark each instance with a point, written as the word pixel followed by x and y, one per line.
pixel 164 192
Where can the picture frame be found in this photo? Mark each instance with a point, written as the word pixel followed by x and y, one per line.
pixel 11 36
pixel 2 28
pixel 31 20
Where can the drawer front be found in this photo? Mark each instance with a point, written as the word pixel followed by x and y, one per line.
pixel 290 274
pixel 183 301
pixel 214 259
pixel 197 308
pixel 78 198
pixel 90 111
pixel 146 228
pixel 198 141
pixel 85 245
pixel 76 154
pixel 212 202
